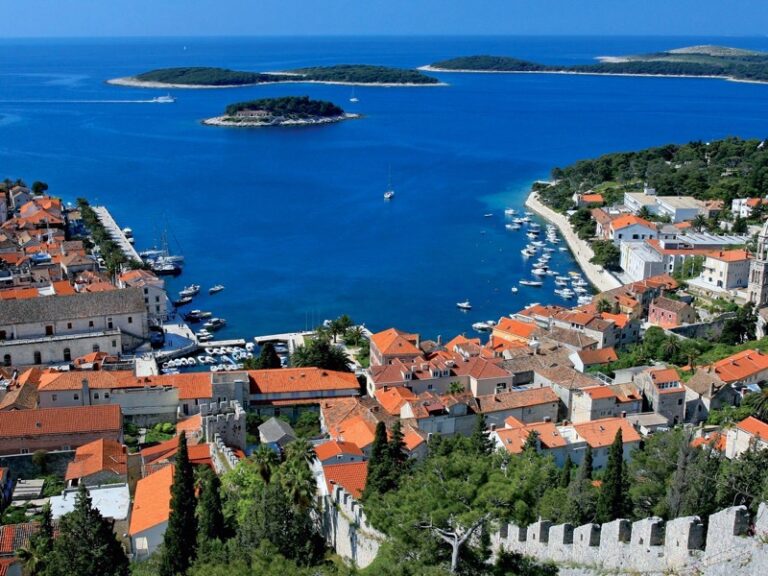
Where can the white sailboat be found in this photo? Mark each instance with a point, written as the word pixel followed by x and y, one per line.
pixel 353 98
pixel 390 193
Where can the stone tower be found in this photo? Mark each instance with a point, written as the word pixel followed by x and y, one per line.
pixel 758 271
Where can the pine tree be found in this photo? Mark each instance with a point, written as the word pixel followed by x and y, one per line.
pixel 181 534
pixel 565 473
pixel 380 468
pixel 614 502
pixel 85 543
pixel 531 441
pixel 210 518
pixel 480 441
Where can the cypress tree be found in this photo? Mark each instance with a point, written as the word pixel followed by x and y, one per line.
pixel 613 501
pixel 565 473
pixel 86 543
pixel 585 470
pixel 397 454
pixel 480 441
pixel 181 534
pixel 531 442
pixel 380 463
pixel 210 518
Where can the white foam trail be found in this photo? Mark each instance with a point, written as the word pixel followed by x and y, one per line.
pixel 81 102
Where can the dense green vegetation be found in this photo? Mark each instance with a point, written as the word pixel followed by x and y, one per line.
pixel 113 256
pixel 364 74
pixel 355 73
pixel 704 61
pixel 288 107
pixel 722 169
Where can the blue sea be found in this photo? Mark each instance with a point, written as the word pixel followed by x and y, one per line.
pixel 292 220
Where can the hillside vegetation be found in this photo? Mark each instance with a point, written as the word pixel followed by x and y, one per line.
pixel 722 169
pixel 365 74
pixel 202 76
pixel 292 107
pixel 692 61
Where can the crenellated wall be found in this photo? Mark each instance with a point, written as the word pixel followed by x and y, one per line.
pixel 225 419
pixel 731 546
pixel 346 528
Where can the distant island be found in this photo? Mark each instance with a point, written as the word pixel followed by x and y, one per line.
pixel 695 61
pixel 207 77
pixel 285 111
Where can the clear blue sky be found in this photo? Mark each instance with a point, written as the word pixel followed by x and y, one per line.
pixel 24 18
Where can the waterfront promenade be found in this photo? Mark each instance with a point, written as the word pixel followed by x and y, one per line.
pixel 600 279
pixel 116 233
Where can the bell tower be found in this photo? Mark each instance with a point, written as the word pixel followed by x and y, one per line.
pixel 758 271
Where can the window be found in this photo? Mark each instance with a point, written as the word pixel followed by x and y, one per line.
pixel 157 298
pixel 96 348
pixel 53 397
pixel 76 396
pixel 38 357
pixel 24 450
pixel 146 290
pixel 114 343
pixel 110 324
pixel 49 330
pixel 2 334
pixel 429 386
pixel 69 325
pixel 67 355
pixel 95 395
pixel 130 319
pixel 106 394
pixel 7 360
pixel 90 323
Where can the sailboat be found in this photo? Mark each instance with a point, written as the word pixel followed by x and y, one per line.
pixel 390 193
pixel 353 98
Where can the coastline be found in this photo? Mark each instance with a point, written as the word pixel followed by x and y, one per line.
pixel 429 68
pixel 133 82
pixel 580 249
pixel 222 121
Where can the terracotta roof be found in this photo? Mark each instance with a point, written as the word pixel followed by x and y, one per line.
pixel 21 396
pixel 282 380
pixel 350 476
pixel 601 216
pixel 461 340
pixel 629 220
pixel 600 392
pixel 676 306
pixel 152 501
pixel 716 440
pixel 516 399
pixel 664 375
pixel 412 440
pixel 754 427
pixel 393 398
pixel 729 255
pixel 191 425
pixel 540 310
pixel 97 456
pixel 54 421
pixel 514 327
pixel 357 430
pixel 334 448
pixel 15 536
pixel 601 433
pixel 741 365
pixel 5 565
pixel 513 439
pixel 392 342
pixel 592 198
pixel 600 356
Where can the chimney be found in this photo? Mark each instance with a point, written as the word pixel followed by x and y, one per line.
pixel 86 393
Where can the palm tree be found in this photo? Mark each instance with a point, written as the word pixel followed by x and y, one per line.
pixel 299 484
pixel 266 462
pixel 300 450
pixel 699 223
pixel 644 213
pixel 761 407
pixel 354 335
pixel 455 387
pixel 670 348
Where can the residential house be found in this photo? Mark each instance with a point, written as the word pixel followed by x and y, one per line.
pixel 513 330
pixel 585 359
pixel 276 433
pixel 722 272
pixel 744 207
pixel 150 512
pixel 350 476
pixel 588 200
pixel 679 208
pixel 629 228
pixel 113 501
pixel 526 405
pixel 99 462
pixel 749 434
pixel 664 392
pixel 393 344
pixel 56 329
pixel 24 431
pixel 153 288
pixel 669 313
pixel 446 415
pixel 338 452
pixel 706 391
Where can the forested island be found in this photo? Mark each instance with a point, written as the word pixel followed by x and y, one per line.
pixel 210 77
pixel 285 111
pixel 697 61
pixel 719 170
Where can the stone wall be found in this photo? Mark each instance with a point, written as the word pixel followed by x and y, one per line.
pixel 346 529
pixel 225 420
pixel 710 330
pixel 734 544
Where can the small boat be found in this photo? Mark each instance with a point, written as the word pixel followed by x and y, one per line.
pixel 510 211
pixel 526 252
pixel 464 305
pixel 551 273
pixel 128 233
pixel 535 283
pixel 575 274
pixel 514 289
pixel 580 290
pixel 538 243
pixel 165 268
pixel 167 99
pixel 565 293
pixel 512 226
pixel 182 301
pixel 354 99
pixel 192 290
pixel 563 249
pixel 529 213
pixel 215 289
pixel 531 235
pixel 548 249
pixel 206 314
pixel 489 215
pixel 214 324
pixel 583 300
pixel 559 282
pixel 481 327
pixel 518 221
pixel 539 272
pixel 389 194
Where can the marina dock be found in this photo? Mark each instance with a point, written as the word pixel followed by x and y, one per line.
pixel 116 233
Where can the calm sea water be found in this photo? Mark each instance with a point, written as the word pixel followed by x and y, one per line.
pixel 292 221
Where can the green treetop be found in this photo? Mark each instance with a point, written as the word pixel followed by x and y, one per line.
pixel 180 540
pixel 613 501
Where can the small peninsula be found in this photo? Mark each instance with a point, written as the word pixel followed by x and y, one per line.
pixel 209 77
pixel 285 111
pixel 693 61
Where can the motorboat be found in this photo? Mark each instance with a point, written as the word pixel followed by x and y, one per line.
pixel 165 268
pixel 539 272
pixel 215 289
pixel 584 300
pixel 192 290
pixel 538 243
pixel 529 213
pixel 563 249
pixel 535 283
pixel 548 249
pixel 560 282
pixel 389 194
pixel 518 221
pixel 215 324
pixel 464 305
pixel 510 211
pixel 580 290
pixel 488 215
pixel 514 289
pixel 531 235
pixel 565 293
pixel 182 301
pixel 527 252
pixel 167 99
pixel 512 226
pixel 481 327
pixel 206 314
pixel 193 316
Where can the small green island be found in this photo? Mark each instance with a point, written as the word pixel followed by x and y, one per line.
pixel 696 61
pixel 285 111
pixel 209 77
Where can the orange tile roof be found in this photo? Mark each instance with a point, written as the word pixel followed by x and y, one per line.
pixel 621 320
pixel 6 564
pixel 282 380
pixel 53 421
pixel 729 255
pixel 392 399
pixel 599 392
pixel 198 453
pixel 741 365
pixel 97 456
pixel 593 198
pixel 515 327
pixel 540 310
pixel 664 375
pixel 716 440
pixel 392 342
pixel 15 536
pixel 152 501
pixel 461 340
pixel 754 427
pixel 19 293
pixel 412 440
pixel 513 439
pixel 357 430
pixel 191 425
pixel 601 433
pixel 599 356
pixel 516 399
pixel 629 220
pixel 334 448
pixel 56 381
pixel 350 476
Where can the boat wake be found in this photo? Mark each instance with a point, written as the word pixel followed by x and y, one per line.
pixel 151 101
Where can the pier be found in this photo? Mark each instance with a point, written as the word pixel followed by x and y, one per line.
pixel 293 339
pixel 116 233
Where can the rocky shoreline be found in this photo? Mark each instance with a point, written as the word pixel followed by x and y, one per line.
pixel 133 82
pixel 226 121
